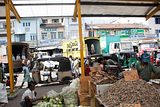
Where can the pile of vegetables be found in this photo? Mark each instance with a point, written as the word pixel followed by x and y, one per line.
pixel 51 102
pixel 104 78
pixel 131 92
pixel 67 97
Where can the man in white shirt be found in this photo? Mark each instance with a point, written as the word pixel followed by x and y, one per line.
pixel 29 96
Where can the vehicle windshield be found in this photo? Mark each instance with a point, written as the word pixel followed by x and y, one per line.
pixel 148 45
pixel 126 46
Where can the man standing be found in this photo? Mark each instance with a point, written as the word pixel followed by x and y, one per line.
pixel 26 73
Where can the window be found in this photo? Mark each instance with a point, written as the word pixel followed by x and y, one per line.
pixel 55 20
pixel 91 33
pixel 2 25
pixel 44 36
pixel 157 20
pixel 62 20
pixel 33 37
pixel 157 31
pixel 23 24
pixel 53 35
pixel 116 46
pixel 22 37
pixel 28 23
pixel 45 21
pixel 60 35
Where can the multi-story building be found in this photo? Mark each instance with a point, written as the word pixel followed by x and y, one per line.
pixel 116 29
pixel 52 32
pixel 154 25
pixel 27 31
pixel 3 32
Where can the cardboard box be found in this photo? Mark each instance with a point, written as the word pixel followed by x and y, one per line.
pixel 84 99
pixel 84 84
pixel 100 89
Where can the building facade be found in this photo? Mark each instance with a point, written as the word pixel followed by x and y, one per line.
pixel 154 25
pixel 27 31
pixel 52 32
pixel 3 32
pixel 125 31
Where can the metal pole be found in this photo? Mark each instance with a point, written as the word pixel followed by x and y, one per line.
pixel 80 36
pixel 9 44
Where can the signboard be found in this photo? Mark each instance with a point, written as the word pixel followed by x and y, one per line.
pixel 48 42
pixel 130 105
pixel 137 31
pixel 131 75
pixel 103 32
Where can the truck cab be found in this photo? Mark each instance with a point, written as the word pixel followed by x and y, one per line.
pixel 116 47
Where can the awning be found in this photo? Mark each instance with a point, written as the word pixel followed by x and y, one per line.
pixel 119 8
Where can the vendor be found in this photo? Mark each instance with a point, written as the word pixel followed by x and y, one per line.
pixel 29 96
pixel 146 69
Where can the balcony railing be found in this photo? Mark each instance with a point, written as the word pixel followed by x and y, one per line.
pixel 4 31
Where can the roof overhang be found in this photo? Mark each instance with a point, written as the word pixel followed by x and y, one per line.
pixel 119 8
pixel 45 8
pixel 13 13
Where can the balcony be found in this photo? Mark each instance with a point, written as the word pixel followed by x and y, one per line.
pixel 4 31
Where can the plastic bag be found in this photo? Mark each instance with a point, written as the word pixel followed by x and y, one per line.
pixel 3 94
pixel 75 83
pixel 70 96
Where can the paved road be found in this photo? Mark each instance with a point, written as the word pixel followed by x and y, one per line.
pixel 40 91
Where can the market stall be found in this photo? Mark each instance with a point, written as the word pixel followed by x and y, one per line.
pixel 119 8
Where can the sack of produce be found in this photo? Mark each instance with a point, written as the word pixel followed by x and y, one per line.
pixel 70 96
pixel 75 83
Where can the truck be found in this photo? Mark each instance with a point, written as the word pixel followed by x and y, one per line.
pixel 91 47
pixel 123 50
pixel 19 51
pixel 113 44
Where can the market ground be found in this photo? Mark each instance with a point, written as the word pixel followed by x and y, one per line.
pixel 41 90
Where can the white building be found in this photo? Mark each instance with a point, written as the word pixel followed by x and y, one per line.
pixel 154 25
pixel 27 31
pixel 3 32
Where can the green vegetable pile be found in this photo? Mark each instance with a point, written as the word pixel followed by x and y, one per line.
pixel 51 102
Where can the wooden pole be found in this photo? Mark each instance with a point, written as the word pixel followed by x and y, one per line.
pixel 80 36
pixel 9 45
